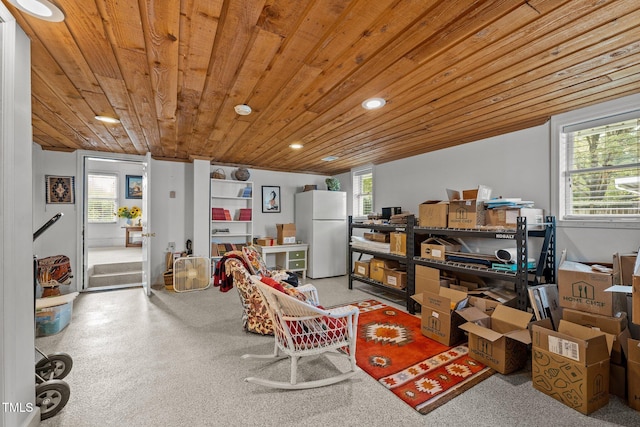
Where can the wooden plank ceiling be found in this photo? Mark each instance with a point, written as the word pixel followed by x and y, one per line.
pixel 451 72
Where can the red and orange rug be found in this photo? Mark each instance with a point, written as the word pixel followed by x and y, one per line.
pixel 422 372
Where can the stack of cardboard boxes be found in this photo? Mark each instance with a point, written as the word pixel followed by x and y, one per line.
pixel 591 353
pixel 588 355
pixel 571 365
pixel 497 334
pixel 467 209
pixel 381 270
pixel 388 272
pixel 286 235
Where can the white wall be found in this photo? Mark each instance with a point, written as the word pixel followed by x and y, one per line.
pixel 513 165
pixel 16 240
pixel 60 239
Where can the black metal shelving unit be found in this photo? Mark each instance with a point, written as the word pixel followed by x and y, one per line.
pixel 545 266
pixel 406 260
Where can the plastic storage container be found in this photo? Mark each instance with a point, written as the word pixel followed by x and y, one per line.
pixel 53 314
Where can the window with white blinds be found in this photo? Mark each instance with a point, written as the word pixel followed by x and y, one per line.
pixel 362 192
pixel 102 194
pixel 601 168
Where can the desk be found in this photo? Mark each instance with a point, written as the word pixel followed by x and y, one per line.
pixel 288 257
pixel 127 239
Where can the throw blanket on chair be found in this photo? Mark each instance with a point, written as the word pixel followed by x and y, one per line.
pixel 222 278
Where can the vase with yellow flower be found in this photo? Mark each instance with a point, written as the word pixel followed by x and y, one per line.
pixel 130 214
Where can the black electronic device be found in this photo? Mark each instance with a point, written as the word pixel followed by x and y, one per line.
pixel 388 212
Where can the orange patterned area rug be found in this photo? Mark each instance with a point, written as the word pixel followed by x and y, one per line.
pixel 422 372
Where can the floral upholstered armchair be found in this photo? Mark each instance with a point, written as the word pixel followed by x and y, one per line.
pixel 255 317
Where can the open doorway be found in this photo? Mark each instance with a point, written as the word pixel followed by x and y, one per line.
pixel 112 228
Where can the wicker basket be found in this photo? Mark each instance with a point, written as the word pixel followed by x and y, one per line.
pixel 218 174
pixel 168 279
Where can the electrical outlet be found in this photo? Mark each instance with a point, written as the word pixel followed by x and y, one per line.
pixel 172 246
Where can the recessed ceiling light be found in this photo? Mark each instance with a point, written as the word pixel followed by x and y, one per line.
pixel 242 109
pixel 42 9
pixel 329 158
pixel 295 146
pixel 373 103
pixel 107 119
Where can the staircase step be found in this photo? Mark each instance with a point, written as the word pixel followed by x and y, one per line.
pixel 120 267
pixel 111 279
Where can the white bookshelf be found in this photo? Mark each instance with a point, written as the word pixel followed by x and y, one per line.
pixel 231 196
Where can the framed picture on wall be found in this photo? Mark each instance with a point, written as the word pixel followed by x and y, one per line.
pixel 134 187
pixel 271 199
pixel 60 189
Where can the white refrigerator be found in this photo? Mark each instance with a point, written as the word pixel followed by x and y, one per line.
pixel 321 221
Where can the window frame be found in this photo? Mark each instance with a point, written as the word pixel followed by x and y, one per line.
pixel 116 198
pixel 355 173
pixel 595 114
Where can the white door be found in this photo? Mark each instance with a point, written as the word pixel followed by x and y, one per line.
pixel 146 225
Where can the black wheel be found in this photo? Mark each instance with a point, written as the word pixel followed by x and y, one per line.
pixel 51 396
pixel 55 366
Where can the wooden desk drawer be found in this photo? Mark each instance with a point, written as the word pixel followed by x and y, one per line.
pixel 296 255
pixel 295 265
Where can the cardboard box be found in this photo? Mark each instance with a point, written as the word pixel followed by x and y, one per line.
pixel 608 324
pixel 377 266
pixel 398 243
pixel 377 237
pixel 620 289
pixel 286 234
pixel 633 373
pixel 508 217
pixel 441 318
pixel 266 241
pixel 394 278
pixel 502 345
pixel 470 281
pixel 623 267
pixel 433 213
pixel 482 193
pixel 616 326
pixel 437 247
pixel 582 288
pixel 571 365
pixel 634 328
pixel 467 210
pixel 361 268
pixel 498 294
pixel 618 380
pixel 426 278
pixel 466 213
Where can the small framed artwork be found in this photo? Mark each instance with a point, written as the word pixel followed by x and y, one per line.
pixel 60 189
pixel 271 199
pixel 134 187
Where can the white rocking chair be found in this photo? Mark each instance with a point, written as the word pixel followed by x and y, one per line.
pixel 302 329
